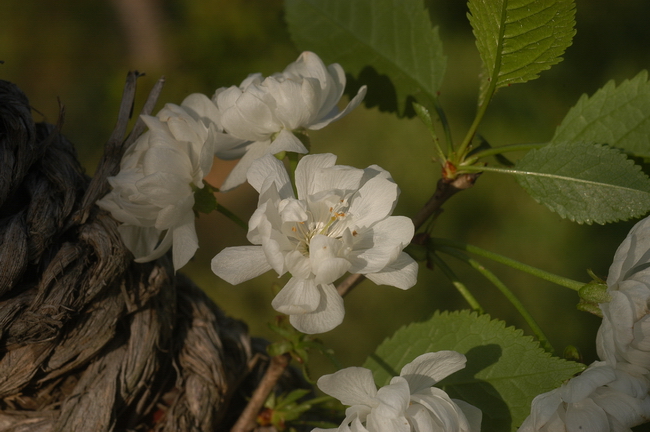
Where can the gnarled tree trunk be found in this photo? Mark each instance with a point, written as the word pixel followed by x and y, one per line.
pixel 89 340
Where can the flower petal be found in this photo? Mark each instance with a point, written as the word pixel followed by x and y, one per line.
pixel 351 386
pixel 395 396
pixel 338 177
pixel 299 296
pixel 401 273
pixel 443 410
pixel 251 116
pixel 160 250
pixel 428 369
pixel 373 202
pixel 185 243
pixel 334 114
pixel 266 170
pixel 202 108
pixel 328 314
pixel 287 141
pixel 141 241
pixel 543 409
pixel 626 409
pixel 581 386
pixel 326 263
pixel 239 264
pixel 307 169
pixel 167 160
pixel 585 415
pixel 381 245
pixel 473 415
pixel 634 251
pixel 297 101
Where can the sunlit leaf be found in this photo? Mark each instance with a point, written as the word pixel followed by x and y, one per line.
pixel 394 37
pixel 505 370
pixel 585 182
pixel 618 116
pixel 517 39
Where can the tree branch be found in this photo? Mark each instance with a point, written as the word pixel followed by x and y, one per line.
pixel 246 421
pixel 445 189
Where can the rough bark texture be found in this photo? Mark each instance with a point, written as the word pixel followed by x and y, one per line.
pixel 89 340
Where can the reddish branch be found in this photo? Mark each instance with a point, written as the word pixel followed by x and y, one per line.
pixel 246 421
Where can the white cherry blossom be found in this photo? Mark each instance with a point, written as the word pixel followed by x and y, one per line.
pixel 152 195
pixel 265 112
pixel 341 221
pixel 601 399
pixel 624 335
pixel 409 403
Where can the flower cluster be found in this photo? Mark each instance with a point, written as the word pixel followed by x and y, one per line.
pixel 153 194
pixel 611 395
pixel 340 221
pixel 408 403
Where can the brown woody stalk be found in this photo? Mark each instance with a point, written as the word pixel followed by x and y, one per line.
pixel 246 421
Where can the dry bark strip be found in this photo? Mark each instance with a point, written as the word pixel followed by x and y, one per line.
pixel 89 340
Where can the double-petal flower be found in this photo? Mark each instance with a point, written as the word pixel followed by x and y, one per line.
pixel 601 399
pixel 611 395
pixel 409 403
pixel 265 112
pixel 152 195
pixel 624 336
pixel 340 221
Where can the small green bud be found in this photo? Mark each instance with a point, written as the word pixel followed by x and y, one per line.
pixel 572 353
pixel 595 292
pixel 591 295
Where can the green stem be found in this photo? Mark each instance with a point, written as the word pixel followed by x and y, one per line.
pixel 460 287
pixel 503 149
pixel 543 340
pixel 462 150
pixel 425 117
pixel 551 277
pixel 233 217
pixel 445 124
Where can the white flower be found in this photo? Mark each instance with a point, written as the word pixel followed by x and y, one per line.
pixel 408 403
pixel 339 222
pixel 601 399
pixel 152 194
pixel 266 111
pixel 624 335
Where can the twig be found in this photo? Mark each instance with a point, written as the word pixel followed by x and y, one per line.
pixel 246 421
pixel 116 144
pixel 445 189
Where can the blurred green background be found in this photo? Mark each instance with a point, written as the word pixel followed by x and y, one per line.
pixel 80 51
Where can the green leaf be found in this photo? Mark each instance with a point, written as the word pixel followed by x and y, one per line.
pixel 585 182
pixel 618 116
pixel 395 37
pixel 517 39
pixel 505 370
